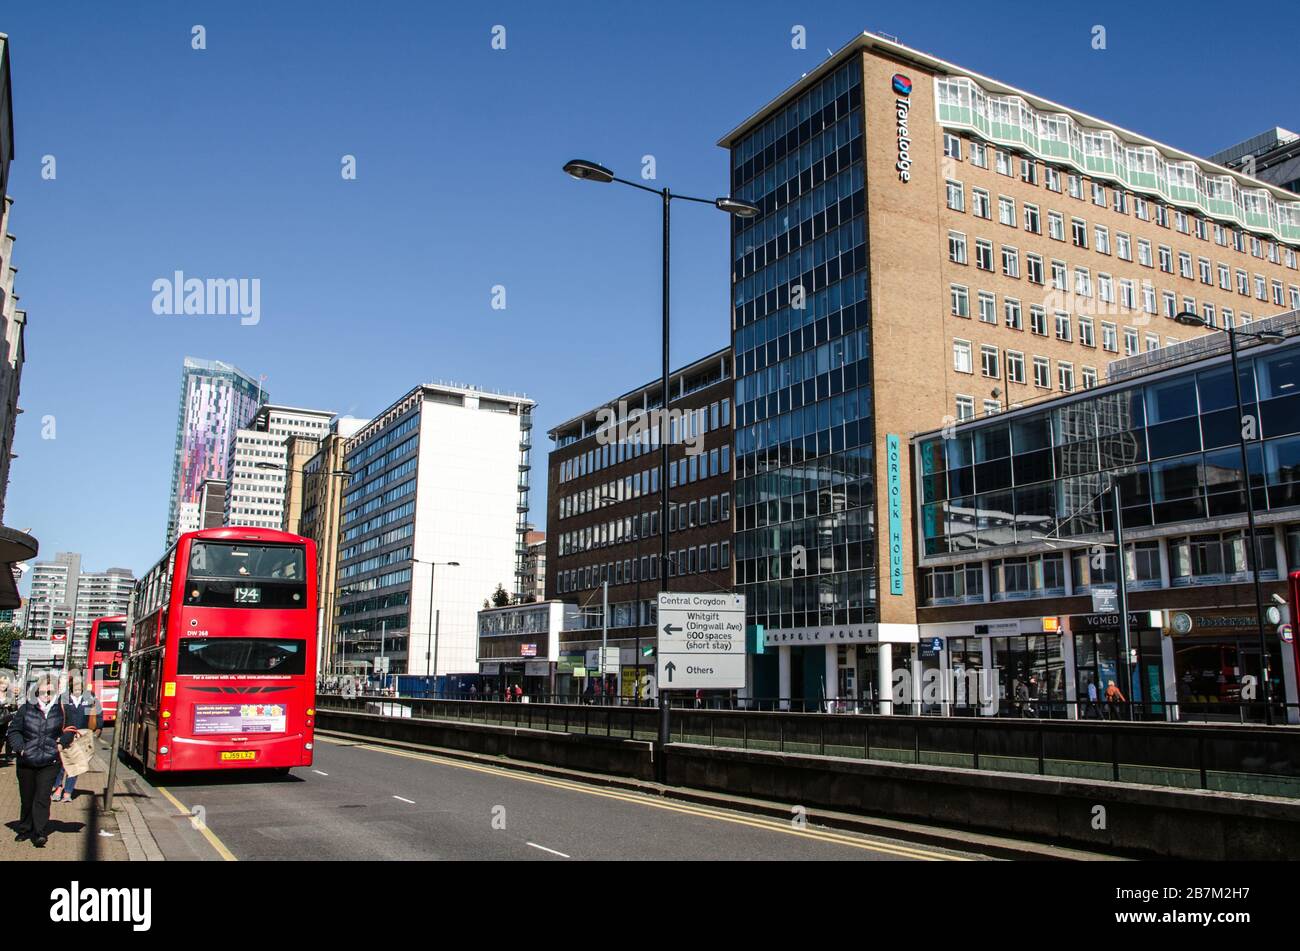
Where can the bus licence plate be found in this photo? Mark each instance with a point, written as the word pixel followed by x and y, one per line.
pixel 239 754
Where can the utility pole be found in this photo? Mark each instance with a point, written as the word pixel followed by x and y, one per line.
pixel 604 636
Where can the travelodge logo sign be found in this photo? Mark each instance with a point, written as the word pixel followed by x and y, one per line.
pixel 903 88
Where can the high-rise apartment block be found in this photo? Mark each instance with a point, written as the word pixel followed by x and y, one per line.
pixel 217 399
pixel 258 470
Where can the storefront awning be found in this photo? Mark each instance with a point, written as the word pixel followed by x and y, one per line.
pixel 14 547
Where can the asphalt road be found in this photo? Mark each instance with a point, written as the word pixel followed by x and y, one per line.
pixel 362 801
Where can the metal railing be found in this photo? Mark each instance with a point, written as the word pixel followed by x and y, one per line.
pixel 1042 707
pixel 1222 757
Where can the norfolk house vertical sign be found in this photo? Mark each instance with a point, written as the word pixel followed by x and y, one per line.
pixel 894 462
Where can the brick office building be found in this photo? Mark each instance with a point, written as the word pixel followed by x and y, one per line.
pixel 935 244
pixel 603 511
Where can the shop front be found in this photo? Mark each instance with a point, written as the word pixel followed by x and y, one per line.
pixel 518 646
pixel 1216 663
pixel 1146 688
pixel 1017 667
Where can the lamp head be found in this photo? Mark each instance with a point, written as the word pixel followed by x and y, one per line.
pixel 584 170
pixel 734 206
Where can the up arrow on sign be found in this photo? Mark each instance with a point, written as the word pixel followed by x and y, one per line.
pixel 670 667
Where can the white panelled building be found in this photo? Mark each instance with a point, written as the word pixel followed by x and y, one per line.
pixel 440 476
pixel 258 463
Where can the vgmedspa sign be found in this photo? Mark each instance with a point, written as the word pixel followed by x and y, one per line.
pixel 903 88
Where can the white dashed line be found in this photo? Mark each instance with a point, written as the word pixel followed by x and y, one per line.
pixel 319 773
pixel 545 849
pixel 411 801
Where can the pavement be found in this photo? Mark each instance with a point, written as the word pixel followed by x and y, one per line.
pixel 76 828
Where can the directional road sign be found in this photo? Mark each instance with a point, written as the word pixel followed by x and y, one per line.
pixel 701 641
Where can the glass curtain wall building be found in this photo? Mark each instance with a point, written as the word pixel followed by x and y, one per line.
pixel 805 506
pixel 1015 522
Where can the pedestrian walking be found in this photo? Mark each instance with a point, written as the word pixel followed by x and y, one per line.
pixel 35 735
pixel 1094 710
pixel 1113 699
pixel 7 708
pixel 80 710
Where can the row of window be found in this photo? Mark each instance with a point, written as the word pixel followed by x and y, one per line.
pixel 684 471
pixel 701 558
pixel 681 516
pixel 684 426
pixel 1123 292
pixel 1031 220
pixel 1207 558
pixel 1104 155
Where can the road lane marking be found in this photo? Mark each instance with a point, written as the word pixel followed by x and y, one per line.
pixel 552 851
pixel 411 801
pixel 208 834
pixel 319 773
pixel 771 825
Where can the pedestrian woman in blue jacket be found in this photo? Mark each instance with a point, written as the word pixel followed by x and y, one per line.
pixel 35 734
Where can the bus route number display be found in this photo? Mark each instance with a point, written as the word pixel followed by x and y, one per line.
pixel 248 595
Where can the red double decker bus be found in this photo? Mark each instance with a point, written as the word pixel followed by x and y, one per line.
pixel 107 644
pixel 222 665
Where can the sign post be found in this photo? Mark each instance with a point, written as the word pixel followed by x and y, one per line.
pixel 701 641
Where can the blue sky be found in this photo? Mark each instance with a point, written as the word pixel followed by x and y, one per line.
pixel 226 163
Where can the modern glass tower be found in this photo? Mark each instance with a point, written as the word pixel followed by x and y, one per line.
pixel 805 501
pixel 217 399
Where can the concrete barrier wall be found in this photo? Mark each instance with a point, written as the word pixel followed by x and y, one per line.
pixel 1143 820
pixel 1151 821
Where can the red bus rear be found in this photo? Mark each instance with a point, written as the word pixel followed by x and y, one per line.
pixel 222 666
pixel 104 660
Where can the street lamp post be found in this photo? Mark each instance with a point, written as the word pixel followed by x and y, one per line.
pixel 432 634
pixel 591 171
pixel 1190 319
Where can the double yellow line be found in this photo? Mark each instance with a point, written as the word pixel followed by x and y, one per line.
pixel 755 822
pixel 208 834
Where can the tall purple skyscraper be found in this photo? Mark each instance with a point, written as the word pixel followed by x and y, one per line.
pixel 216 400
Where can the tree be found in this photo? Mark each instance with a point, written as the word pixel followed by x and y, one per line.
pixel 500 597
pixel 8 634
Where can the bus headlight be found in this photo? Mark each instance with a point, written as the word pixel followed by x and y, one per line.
pixel 163 751
pixel 307 746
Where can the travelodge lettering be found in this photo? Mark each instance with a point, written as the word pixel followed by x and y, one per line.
pixel 903 86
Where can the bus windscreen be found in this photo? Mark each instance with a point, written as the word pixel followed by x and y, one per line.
pixel 241 656
pixel 229 575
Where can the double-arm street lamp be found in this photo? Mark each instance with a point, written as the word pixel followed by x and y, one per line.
pixel 1248 425
pixel 594 172
pixel 433 565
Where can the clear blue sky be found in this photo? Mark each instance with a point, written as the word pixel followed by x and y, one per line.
pixel 225 163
